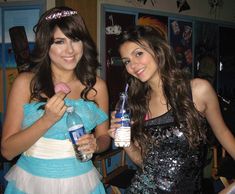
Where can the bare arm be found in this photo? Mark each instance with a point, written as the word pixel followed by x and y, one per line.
pixel 14 139
pixel 229 189
pixel 134 153
pixel 207 102
pixel 101 132
pixel 100 140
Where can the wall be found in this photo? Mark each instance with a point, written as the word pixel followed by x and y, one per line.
pixel 87 9
pixel 49 3
pixel 13 13
pixel 198 8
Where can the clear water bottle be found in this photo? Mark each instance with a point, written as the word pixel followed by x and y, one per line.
pixel 123 133
pixel 76 130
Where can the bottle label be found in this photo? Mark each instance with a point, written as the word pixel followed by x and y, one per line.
pixel 125 122
pixel 75 132
pixel 123 133
pixel 122 137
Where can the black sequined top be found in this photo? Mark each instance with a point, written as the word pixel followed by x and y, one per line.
pixel 170 165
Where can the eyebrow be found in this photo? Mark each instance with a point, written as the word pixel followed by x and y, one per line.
pixel 59 38
pixel 136 49
pixel 124 58
pixel 131 53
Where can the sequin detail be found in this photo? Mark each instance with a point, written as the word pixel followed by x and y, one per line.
pixel 170 165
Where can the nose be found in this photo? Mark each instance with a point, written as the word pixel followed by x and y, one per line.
pixel 70 47
pixel 133 63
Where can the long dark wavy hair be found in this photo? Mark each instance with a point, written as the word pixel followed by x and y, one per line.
pixel 74 28
pixel 175 83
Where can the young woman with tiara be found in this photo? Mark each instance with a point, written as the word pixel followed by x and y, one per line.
pixel 35 123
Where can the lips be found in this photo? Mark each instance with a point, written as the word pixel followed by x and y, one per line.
pixel 69 59
pixel 140 71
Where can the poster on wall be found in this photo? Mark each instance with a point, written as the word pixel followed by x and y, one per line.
pixel 115 23
pixel 14 17
pixel 159 22
pixel 181 41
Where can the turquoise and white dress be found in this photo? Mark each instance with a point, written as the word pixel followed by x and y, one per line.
pixel 50 166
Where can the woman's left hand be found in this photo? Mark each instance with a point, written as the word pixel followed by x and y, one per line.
pixel 87 144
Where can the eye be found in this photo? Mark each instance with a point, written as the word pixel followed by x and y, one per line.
pixel 59 41
pixel 125 62
pixel 76 40
pixel 139 53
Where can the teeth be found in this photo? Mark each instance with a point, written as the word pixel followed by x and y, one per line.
pixel 69 58
pixel 140 71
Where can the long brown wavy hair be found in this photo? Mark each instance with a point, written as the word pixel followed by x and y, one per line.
pixel 74 28
pixel 175 83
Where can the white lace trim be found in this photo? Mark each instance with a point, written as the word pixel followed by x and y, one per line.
pixel 51 149
pixel 30 184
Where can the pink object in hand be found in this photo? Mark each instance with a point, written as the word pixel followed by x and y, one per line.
pixel 63 87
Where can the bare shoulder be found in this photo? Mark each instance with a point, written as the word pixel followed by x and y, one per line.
pixel 203 93
pixel 100 90
pixel 24 77
pixel 22 83
pixel 200 86
pixel 100 83
pixel 101 96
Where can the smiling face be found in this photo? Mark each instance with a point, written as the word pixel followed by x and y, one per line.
pixel 64 52
pixel 139 61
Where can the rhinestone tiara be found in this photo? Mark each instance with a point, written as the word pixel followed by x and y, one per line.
pixel 60 14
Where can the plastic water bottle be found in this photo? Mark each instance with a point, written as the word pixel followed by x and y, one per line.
pixel 76 130
pixel 123 133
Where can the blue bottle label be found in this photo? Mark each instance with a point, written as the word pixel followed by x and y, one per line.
pixel 75 132
pixel 125 118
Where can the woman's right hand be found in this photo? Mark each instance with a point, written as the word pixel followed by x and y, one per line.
pixel 55 107
pixel 114 124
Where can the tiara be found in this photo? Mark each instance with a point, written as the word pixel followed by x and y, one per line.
pixel 60 14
